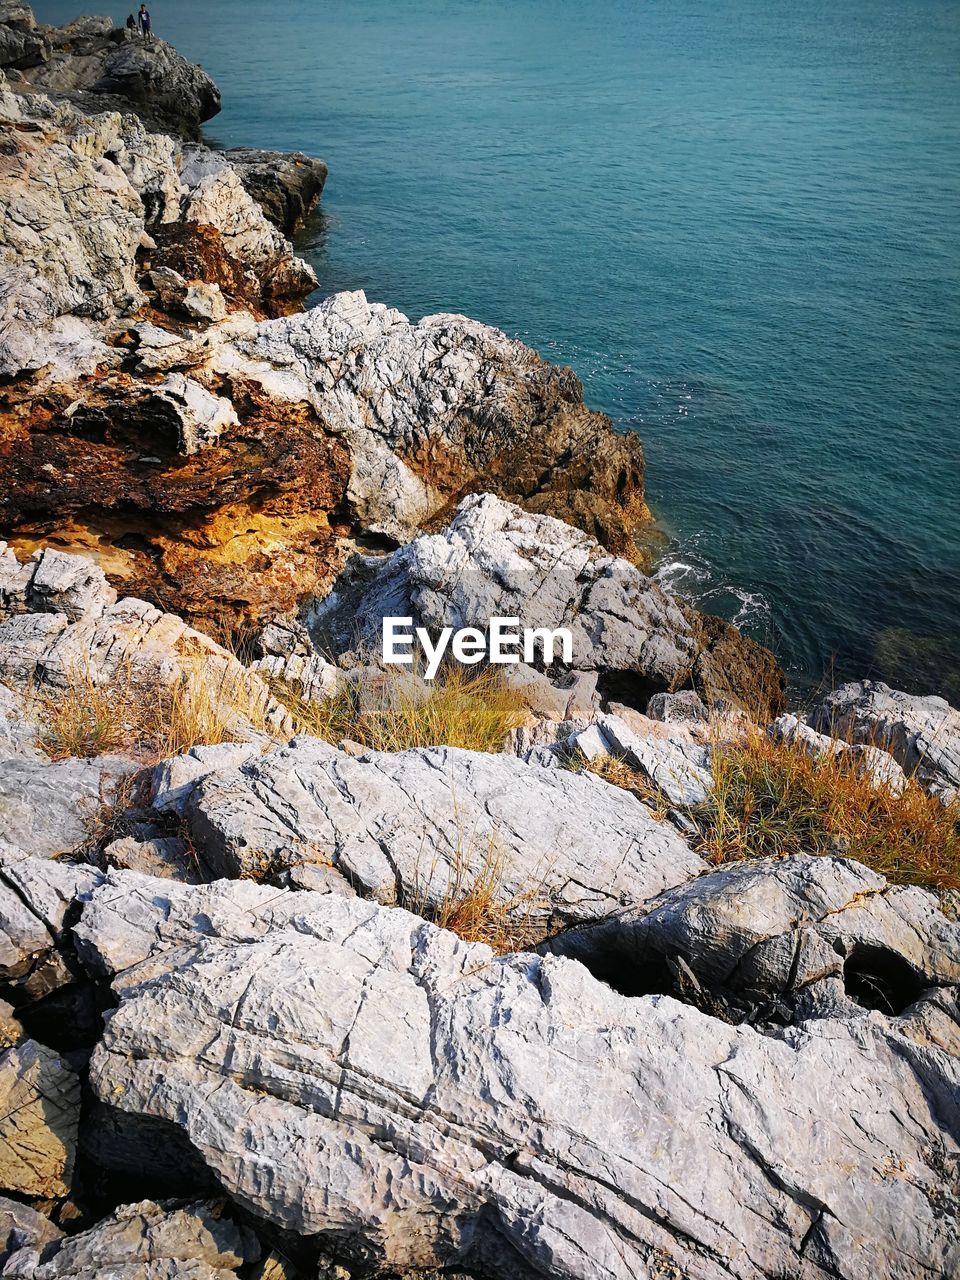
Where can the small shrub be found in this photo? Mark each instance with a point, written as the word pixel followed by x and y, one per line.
pixel 774 799
pixel 475 711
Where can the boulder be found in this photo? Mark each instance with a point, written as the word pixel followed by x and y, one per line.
pixel 442 407
pixel 685 707
pixel 287 185
pixel 145 1241
pixel 421 825
pixel 921 734
pixel 39 1118
pixel 356 1076
pixel 217 197
pixel 37 902
pixel 155 77
pixel 495 560
pixel 71 228
pixel 778 937
pixel 23 1228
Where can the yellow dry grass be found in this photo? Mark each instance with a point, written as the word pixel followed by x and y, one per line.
pixel 774 799
pixel 144 713
pixel 458 708
pixel 476 904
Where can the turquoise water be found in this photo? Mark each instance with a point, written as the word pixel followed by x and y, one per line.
pixel 738 220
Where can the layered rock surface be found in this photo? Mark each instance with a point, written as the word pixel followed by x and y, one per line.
pixel 352 1073
pixel 922 734
pixel 416 826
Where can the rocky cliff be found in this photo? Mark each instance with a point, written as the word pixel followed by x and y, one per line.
pixel 293 987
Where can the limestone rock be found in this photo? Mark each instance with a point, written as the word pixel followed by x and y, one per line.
pixel 173 781
pixel 71 585
pixel 922 734
pixel 678 769
pixel 162 857
pixel 71 230
pixel 357 1076
pixel 872 762
pixel 313 678
pixel 678 708
pixel 18 728
pixel 495 560
pixel 441 407
pixel 411 827
pixel 37 898
pixel 217 197
pixel 145 1241
pixel 808 931
pixel 50 807
pixel 286 184
pixel 39 1116
pixel 127 645
pixel 23 1228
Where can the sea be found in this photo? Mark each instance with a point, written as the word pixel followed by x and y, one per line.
pixel 737 220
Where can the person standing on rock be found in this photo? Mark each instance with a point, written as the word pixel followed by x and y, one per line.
pixel 143 22
pixel 131 22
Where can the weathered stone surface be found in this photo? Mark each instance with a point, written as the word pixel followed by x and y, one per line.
pixel 18 728
pixel 167 856
pixel 495 560
pixel 217 197
pixel 39 1116
pixel 36 899
pixel 872 762
pixel 678 708
pixel 922 734
pixel 354 1074
pixel 810 932
pixel 173 781
pixel 126 645
pixel 313 678
pixel 150 77
pixel 145 1241
pixel 71 225
pixel 49 807
pixel 287 185
pixel 679 769
pixel 411 826
pixel 23 1228
pixel 154 76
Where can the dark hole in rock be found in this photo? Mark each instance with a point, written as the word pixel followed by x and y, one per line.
pixel 649 974
pixel 878 978
pixel 69 1018
pixel 628 687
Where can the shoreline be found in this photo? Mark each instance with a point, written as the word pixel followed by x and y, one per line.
pixel 574 951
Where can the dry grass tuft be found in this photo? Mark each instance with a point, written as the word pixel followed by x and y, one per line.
pixel 620 774
pixel 477 906
pixel 142 714
pixel 459 708
pixel 773 799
